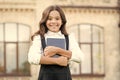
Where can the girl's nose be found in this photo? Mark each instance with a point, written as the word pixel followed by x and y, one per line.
pixel 53 20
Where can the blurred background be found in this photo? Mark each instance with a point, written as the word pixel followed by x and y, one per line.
pixel 95 23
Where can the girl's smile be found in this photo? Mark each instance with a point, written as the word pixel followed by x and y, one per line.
pixel 54 21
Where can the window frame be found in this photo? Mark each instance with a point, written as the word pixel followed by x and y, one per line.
pixel 4 73
pixel 92 74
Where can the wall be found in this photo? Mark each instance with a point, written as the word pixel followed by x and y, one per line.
pixel 29 12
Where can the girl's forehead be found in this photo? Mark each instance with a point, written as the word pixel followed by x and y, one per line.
pixel 54 13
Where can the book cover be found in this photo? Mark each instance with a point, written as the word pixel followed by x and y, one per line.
pixel 56 42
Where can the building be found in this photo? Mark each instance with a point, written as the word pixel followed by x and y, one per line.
pixel 95 24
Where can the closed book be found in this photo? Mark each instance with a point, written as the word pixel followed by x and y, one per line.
pixel 57 43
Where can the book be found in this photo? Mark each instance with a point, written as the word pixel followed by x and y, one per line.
pixel 57 42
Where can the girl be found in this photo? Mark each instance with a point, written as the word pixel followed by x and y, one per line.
pixel 52 25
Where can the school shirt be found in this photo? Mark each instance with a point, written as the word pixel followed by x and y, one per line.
pixel 35 50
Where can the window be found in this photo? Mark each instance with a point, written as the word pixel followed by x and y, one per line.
pixel 14 45
pixel 91 40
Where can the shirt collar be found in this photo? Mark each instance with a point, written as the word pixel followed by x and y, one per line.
pixel 54 33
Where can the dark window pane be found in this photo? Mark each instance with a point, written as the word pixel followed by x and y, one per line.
pixel 10 32
pixel 1 58
pixel 23 63
pixel 11 58
pixel 86 64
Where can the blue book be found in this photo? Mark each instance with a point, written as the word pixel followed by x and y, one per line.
pixel 56 42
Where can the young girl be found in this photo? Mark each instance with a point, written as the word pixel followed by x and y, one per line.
pixel 52 25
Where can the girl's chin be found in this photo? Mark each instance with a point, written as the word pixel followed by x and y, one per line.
pixel 55 30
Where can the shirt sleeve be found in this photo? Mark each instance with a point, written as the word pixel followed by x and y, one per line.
pixel 77 54
pixel 35 51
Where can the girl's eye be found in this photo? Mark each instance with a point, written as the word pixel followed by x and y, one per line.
pixel 57 18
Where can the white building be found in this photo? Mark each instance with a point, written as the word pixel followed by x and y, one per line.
pixel 94 22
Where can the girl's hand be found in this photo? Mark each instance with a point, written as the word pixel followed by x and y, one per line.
pixel 50 50
pixel 62 61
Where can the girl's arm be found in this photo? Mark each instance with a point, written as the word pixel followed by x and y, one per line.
pixel 65 53
pixel 62 61
pixel 35 55
pixel 77 54
pixel 52 50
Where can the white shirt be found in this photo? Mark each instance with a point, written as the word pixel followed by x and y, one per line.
pixel 35 51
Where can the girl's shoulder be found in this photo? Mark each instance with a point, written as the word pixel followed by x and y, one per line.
pixel 36 37
pixel 71 35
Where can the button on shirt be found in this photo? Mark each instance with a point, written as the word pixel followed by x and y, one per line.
pixel 36 50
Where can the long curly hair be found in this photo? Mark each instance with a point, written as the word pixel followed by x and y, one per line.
pixel 42 24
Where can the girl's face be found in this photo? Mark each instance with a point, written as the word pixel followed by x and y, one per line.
pixel 54 21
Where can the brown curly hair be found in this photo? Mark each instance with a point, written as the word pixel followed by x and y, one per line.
pixel 42 24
